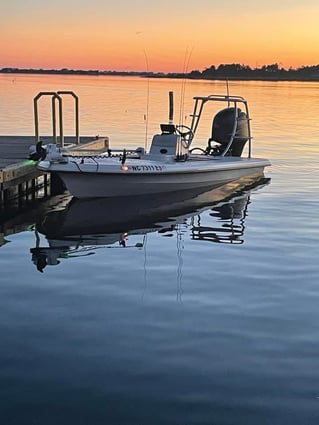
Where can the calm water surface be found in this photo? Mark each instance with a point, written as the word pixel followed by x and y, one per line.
pixel 208 315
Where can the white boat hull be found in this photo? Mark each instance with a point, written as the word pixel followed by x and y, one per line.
pixel 87 182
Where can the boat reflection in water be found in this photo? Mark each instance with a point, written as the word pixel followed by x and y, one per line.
pixel 83 226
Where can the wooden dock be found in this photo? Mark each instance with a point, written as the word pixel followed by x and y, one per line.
pixel 18 175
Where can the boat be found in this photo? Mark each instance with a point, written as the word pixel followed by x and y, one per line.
pixel 173 163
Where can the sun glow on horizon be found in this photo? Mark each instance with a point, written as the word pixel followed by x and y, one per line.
pixel 159 41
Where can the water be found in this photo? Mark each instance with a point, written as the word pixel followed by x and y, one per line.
pixel 207 317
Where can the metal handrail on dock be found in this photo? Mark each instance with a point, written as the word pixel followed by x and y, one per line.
pixel 56 96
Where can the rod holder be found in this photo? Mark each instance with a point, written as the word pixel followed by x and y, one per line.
pixel 171 107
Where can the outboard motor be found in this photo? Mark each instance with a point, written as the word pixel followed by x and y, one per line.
pixel 223 126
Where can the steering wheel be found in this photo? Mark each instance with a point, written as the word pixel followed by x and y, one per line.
pixel 184 131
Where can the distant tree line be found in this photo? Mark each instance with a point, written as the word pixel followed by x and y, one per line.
pixel 267 72
pixel 233 71
pixel 64 71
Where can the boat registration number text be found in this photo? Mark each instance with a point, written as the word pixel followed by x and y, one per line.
pixel 153 168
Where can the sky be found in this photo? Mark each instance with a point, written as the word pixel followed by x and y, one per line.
pixel 158 36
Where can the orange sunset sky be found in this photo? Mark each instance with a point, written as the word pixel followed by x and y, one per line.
pixel 168 36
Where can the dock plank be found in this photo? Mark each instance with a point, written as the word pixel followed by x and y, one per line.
pixel 14 149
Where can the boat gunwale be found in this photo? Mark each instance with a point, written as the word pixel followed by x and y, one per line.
pixel 218 167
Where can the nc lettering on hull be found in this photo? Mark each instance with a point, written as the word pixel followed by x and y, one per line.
pixel 139 168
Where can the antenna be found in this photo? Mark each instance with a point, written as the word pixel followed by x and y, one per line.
pixel 187 57
pixel 227 91
pixel 147 100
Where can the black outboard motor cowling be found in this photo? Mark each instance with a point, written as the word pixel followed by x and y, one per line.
pixel 222 129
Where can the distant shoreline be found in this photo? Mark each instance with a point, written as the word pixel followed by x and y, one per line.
pixel 306 74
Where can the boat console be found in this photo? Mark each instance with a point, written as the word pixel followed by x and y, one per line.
pixel 169 142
